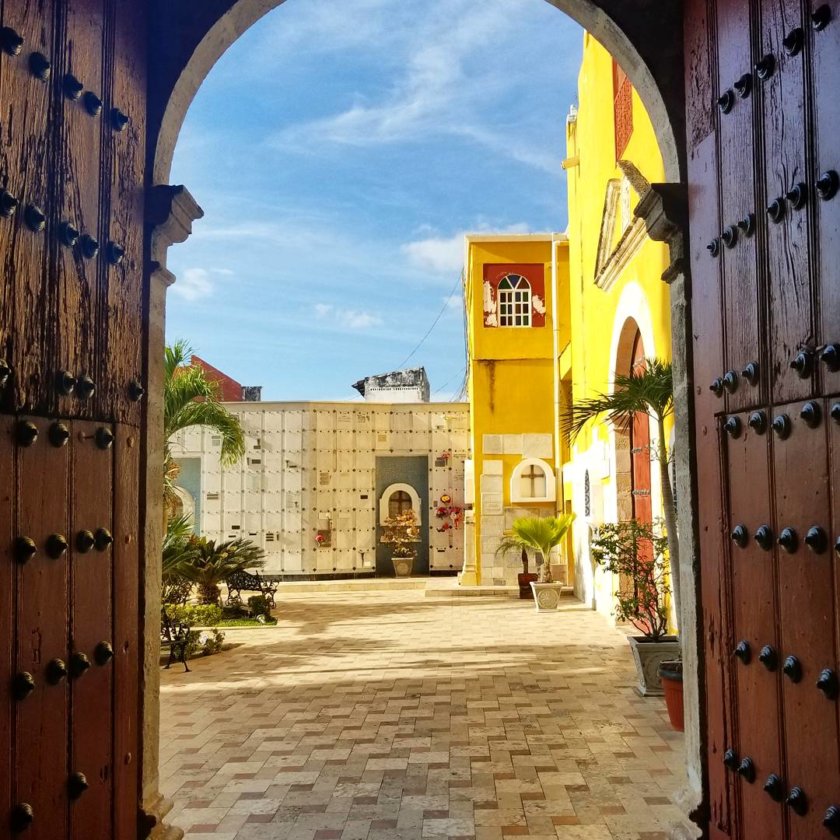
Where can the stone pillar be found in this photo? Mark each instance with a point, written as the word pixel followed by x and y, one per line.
pixel 170 214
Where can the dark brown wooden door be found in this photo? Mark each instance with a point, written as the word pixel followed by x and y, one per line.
pixel 640 446
pixel 72 156
pixel 763 157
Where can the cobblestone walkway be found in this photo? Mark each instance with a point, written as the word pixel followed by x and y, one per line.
pixel 381 716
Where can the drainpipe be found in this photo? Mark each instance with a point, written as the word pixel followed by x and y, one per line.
pixel 555 238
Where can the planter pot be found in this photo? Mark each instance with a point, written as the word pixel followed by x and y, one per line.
pixel 670 673
pixel 525 580
pixel 403 566
pixel 648 655
pixel 546 596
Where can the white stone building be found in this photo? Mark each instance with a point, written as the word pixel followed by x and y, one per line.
pixel 333 469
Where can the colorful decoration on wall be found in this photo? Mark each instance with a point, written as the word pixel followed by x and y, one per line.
pixel 451 515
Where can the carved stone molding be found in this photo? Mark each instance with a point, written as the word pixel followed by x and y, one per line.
pixel 664 211
pixel 170 213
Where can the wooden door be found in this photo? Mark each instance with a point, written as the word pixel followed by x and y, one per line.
pixel 640 446
pixel 72 157
pixel 763 158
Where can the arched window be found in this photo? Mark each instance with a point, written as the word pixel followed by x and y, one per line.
pixel 532 481
pixel 399 502
pixel 514 301
pixel 397 499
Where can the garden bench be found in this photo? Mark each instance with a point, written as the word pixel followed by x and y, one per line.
pixel 240 582
pixel 175 636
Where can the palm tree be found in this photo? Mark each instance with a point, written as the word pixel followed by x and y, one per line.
pixel 212 564
pixel 191 399
pixel 540 534
pixel 178 552
pixel 649 390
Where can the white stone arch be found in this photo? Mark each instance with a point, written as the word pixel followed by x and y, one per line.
pixel 633 310
pixel 187 503
pixel 389 491
pixel 516 496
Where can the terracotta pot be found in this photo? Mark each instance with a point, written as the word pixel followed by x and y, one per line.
pixel 525 580
pixel 670 672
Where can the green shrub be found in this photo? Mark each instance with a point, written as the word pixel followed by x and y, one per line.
pixel 258 605
pixel 206 642
pixel 196 615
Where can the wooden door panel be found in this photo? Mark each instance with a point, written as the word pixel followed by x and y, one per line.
pixel 784 167
pixel 754 621
pixel 79 198
pixel 806 619
pixel 90 630
pixel 738 207
pixel 8 575
pixel 42 635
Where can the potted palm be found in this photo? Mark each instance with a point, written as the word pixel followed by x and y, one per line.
pixel 213 563
pixel 540 535
pixel 402 532
pixel 636 553
pixel 525 578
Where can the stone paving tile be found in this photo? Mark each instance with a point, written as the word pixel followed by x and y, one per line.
pixel 392 716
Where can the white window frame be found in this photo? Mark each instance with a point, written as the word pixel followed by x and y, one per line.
pixel 516 495
pixel 385 499
pixel 514 304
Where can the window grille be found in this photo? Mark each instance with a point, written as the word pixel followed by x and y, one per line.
pixel 514 301
pixel 622 109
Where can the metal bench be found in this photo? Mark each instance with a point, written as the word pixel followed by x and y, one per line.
pixel 176 636
pixel 240 582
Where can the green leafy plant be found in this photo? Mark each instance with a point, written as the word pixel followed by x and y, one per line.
pixel 196 615
pixel 403 533
pixel 651 391
pixel 205 642
pixel 213 563
pixel 258 606
pixel 540 535
pixel 178 552
pixel 636 552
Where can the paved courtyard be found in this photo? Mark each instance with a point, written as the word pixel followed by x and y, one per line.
pixel 389 715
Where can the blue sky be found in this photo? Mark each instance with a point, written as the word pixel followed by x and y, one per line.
pixel 340 149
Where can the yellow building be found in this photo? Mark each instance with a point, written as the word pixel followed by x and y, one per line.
pixel 516 293
pixel 598 306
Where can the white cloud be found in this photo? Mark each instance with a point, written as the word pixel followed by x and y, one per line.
pixel 347 319
pixel 194 284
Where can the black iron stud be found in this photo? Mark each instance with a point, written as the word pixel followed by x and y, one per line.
pixel 747 224
pixel 827 185
pixel 72 87
pixel 835 412
pixel 104 437
pixel 742 651
pixel 65 383
pixel 11 41
pixel 68 234
pixel 35 219
pixel 77 784
pixel 22 817
pixel 103 539
pixel 797 195
pixel 85 388
pixel 8 204
pixel 758 422
pixel 831 820
pixel 803 363
pixel 768 657
pixel 766 67
pixel 56 671
pixel 730 759
pixel 816 539
pixel 85 541
pixel 764 537
pixel 789 540
pixel 23 685
pixel 79 664
pixel 774 788
pixel 103 654
pixel 740 536
pixel 811 413
pixel 821 17
pixel 119 120
pixel 5 372
pixel 829 684
pixel 751 373
pixel 93 104
pixel 729 237
pixel 798 801
pixel 776 210
pixel 714 247
pixel 830 357
pixel 792 669
pixel 743 87
pixel 24 549
pixel 726 101
pixel 794 41
pixel 730 381
pixel 136 391
pixel 746 770
pixel 732 426
pixel 115 253
pixel 40 67
pixel 56 545
pixel 26 433
pixel 90 247
pixel 717 387
pixel 59 434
